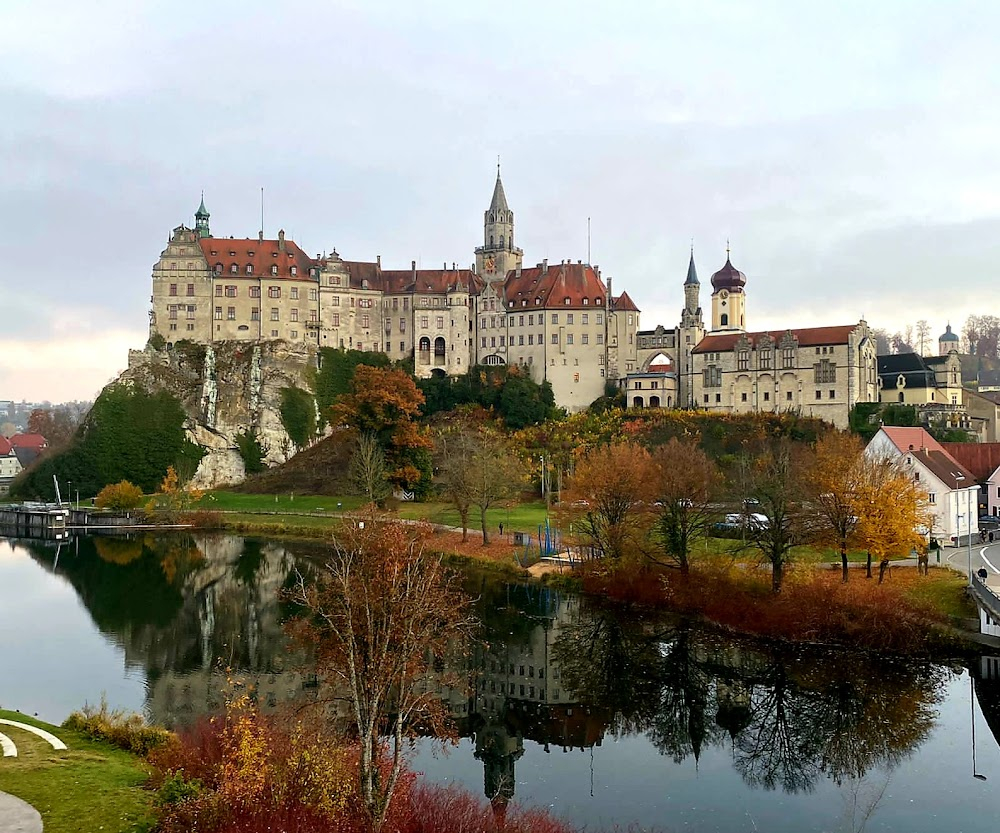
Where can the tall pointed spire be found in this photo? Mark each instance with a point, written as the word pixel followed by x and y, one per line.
pixel 692 276
pixel 499 201
pixel 201 219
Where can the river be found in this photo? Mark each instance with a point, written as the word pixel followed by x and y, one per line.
pixel 604 717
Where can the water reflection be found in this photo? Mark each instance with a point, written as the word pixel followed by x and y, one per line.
pixel 562 672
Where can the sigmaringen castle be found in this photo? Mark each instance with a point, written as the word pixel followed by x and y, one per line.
pixel 560 322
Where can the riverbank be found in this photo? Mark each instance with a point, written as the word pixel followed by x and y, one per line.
pixel 88 786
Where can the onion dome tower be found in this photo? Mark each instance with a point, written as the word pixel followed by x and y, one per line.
pixel 728 297
pixel 947 342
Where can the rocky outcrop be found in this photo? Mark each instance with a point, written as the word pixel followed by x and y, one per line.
pixel 227 388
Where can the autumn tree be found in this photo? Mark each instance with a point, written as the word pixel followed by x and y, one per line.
pixel 456 448
pixel 686 482
pixel 378 618
pixel 833 485
pixel 608 498
pixel 119 496
pixel 367 471
pixel 385 403
pixel 892 510
pixel 773 486
pixel 496 475
pixel 174 495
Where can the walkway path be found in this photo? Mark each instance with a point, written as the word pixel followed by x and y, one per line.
pixel 17 816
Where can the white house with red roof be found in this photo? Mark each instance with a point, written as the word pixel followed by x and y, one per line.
pixel 952 490
pixel 10 466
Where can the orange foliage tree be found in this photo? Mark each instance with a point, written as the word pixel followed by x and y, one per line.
pixel 608 497
pixel 385 403
pixel 123 495
pixel 379 616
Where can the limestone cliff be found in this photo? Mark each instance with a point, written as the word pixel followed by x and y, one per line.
pixel 227 388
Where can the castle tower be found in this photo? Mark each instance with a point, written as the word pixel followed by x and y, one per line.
pixel 728 298
pixel 690 332
pixel 201 219
pixel 947 342
pixel 498 254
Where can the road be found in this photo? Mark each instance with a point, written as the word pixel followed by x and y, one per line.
pixel 983 555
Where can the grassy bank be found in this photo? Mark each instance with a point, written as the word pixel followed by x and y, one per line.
pixel 90 786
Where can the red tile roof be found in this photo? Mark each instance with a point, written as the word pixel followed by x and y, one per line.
pixel 402 281
pixel 552 285
pixel 907 439
pixel 623 302
pixel 36 441
pixel 807 337
pixel 923 447
pixel 982 459
pixel 261 254
pixel 5 447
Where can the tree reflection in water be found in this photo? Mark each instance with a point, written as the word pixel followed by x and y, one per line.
pixel 790 716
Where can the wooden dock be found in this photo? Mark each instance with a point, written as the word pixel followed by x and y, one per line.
pixel 40 520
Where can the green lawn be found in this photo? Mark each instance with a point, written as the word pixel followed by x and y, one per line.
pixel 236 501
pixel 91 786
pixel 524 517
pixel 945 592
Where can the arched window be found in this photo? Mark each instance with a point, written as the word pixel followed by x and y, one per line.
pixel 294 271
pixel 501 241
pixel 439 346
pixel 218 268
pixel 491 240
pixel 274 269
pixel 425 345
pixel 637 402
pixel 234 269
pixel 249 268
pixel 724 320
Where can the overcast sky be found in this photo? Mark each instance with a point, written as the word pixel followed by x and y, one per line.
pixel 848 150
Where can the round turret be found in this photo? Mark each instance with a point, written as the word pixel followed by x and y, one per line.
pixel 947 342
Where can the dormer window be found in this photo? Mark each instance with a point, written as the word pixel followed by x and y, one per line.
pixel 274 269
pixel 294 270
pixel 566 301
pixel 218 269
pixel 234 269
pixel 586 301
pixel 249 268
pixel 364 283
pixel 538 301
pixel 597 301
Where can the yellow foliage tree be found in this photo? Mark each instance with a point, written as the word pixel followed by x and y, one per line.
pixel 892 510
pixel 834 482
pixel 120 496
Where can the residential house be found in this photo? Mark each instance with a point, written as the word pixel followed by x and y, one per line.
pixel 10 466
pixel 983 460
pixel 952 490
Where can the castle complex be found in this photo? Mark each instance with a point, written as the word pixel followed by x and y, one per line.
pixel 559 322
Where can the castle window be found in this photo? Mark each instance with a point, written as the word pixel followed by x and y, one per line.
pixel 294 271
pixel 788 396
pixel 767 396
pixel 335 301
pixel 833 394
pixel 231 313
pixel 586 338
pixel 724 320
pixel 254 291
pixel 218 290
pixel 555 338
pixel 365 320
pixel 555 318
pixel 764 360
pixel 218 313
pixel 295 315
pixel 600 338
pixel 586 318
pixel 712 376
pixel 249 268
pixel 190 310
pixel 824 372
pixel 743 397
pixel 788 357
pixel 569 318
pixel 190 289
pixel 819 394
pixel 600 318
pixel 274 313
pixel 255 314
pixel 274 292
pixel 743 360
pixel 230 291
pixel 335 319
pixel 172 309
pixel 569 338
pixel 295 293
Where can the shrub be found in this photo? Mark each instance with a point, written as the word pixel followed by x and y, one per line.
pixel 126 730
pixel 251 450
pixel 123 495
pixel 176 788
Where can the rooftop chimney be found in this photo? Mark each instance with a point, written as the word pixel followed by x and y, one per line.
pixel 413 268
pixel 281 240
pixel 260 236
pixel 378 261
pixel 545 266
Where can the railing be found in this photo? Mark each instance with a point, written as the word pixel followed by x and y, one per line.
pixel 986 596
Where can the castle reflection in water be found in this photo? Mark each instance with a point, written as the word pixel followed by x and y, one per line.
pixel 198 612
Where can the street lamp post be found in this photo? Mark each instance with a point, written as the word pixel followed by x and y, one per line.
pixel 968 502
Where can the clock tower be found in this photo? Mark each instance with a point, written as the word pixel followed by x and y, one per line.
pixel 728 298
pixel 498 255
